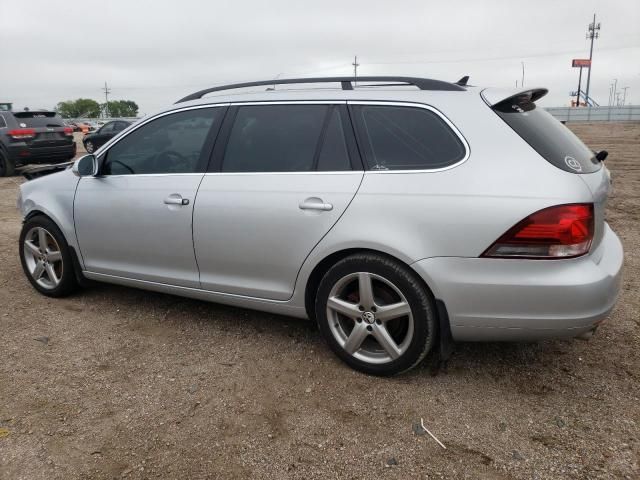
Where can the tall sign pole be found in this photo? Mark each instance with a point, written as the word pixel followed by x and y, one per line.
pixel 581 63
pixel 592 33
pixel 579 86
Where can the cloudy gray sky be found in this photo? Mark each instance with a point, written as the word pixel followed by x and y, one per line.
pixel 154 52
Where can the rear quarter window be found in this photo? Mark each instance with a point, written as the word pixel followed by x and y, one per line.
pixel 550 138
pixel 406 138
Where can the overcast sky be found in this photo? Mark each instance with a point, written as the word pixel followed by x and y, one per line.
pixel 154 52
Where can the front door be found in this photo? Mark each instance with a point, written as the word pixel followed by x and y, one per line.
pixel 134 219
pixel 283 176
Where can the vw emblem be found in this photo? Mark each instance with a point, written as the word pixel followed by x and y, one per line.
pixel 368 317
pixel 572 163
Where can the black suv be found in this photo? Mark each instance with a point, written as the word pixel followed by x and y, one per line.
pixel 33 137
pixel 94 140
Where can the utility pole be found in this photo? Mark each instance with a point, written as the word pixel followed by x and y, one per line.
pixel 593 32
pixel 107 91
pixel 522 82
pixel 355 69
pixel 615 91
pixel 624 96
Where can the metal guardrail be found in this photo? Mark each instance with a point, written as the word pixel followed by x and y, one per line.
pixel 628 113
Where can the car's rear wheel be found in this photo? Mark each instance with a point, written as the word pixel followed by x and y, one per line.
pixel 89 147
pixel 46 258
pixel 7 168
pixel 375 314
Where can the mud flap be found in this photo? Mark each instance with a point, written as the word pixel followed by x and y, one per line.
pixel 445 340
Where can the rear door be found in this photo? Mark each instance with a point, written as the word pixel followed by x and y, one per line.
pixel 134 219
pixel 283 174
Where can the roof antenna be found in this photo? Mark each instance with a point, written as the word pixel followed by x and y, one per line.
pixel 463 81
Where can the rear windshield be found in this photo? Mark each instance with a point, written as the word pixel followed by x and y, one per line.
pixel 550 138
pixel 38 119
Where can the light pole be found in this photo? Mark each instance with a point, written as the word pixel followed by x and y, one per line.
pixel 624 96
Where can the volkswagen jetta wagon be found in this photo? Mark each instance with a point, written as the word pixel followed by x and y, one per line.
pixel 399 214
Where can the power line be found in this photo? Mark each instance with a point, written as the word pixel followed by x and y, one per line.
pixel 488 59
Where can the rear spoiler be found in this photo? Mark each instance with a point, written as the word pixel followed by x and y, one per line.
pixel 34 171
pixel 495 96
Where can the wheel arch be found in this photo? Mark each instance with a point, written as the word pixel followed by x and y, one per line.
pixel 77 267
pixel 323 266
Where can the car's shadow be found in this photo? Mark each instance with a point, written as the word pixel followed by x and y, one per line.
pixel 493 359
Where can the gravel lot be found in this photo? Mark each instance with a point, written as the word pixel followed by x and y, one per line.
pixel 121 383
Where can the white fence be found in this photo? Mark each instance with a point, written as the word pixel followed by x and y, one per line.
pixel 102 120
pixel 629 113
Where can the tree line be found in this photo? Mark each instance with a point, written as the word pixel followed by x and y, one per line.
pixel 88 108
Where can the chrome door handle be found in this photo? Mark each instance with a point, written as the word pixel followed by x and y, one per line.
pixel 176 199
pixel 315 203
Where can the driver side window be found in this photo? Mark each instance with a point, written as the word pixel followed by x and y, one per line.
pixel 170 144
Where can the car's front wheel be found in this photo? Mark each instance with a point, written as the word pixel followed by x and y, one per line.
pixel 375 314
pixel 46 257
pixel 89 146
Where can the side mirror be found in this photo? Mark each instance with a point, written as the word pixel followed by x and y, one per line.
pixel 86 166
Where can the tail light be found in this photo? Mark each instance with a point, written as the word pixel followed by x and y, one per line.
pixel 22 133
pixel 68 131
pixel 563 231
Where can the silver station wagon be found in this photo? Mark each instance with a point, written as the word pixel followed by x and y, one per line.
pixel 400 214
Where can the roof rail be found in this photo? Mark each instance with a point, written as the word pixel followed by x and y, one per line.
pixel 346 82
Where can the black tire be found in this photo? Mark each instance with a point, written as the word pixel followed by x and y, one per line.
pixel 420 300
pixel 67 282
pixel 7 168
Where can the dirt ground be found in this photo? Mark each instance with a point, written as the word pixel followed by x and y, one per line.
pixel 121 383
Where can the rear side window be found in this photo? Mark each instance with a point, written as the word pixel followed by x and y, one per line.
pixel 38 119
pixel 3 124
pixel 108 128
pixel 406 138
pixel 274 138
pixel 550 138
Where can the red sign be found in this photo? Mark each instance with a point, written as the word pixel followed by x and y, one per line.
pixel 580 62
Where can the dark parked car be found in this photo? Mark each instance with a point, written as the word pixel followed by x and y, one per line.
pixel 94 140
pixel 33 137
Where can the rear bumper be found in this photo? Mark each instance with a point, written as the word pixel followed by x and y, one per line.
pixel 24 155
pixel 522 300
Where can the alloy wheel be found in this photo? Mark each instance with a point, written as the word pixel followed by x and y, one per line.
pixel 89 147
pixel 370 318
pixel 43 258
